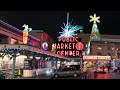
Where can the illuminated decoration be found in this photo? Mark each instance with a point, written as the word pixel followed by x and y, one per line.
pixel 14 28
pixel 69 29
pixel 70 47
pixel 96 57
pixel 26 28
pixel 53 48
pixel 29 40
pixel 94 19
pixel 45 46
pixel 95 31
pixel 25 33
pixel 88 48
pixel 79 46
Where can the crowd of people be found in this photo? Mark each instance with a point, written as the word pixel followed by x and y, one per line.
pixel 89 71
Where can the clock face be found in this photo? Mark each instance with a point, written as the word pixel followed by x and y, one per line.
pixel 45 46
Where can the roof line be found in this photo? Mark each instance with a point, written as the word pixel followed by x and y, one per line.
pixel 14 28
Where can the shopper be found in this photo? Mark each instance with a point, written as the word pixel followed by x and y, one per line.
pixel 95 68
pixel 85 70
pixel 108 67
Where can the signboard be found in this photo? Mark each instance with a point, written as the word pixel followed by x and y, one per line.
pixel 45 46
pixel 96 57
pixel 106 39
pixel 28 64
pixel 69 47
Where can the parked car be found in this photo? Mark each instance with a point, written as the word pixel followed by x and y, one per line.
pixel 67 71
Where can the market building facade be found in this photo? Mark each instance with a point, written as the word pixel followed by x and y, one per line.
pixel 106 45
pixel 13 51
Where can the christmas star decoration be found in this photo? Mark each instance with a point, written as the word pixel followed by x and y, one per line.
pixel 94 19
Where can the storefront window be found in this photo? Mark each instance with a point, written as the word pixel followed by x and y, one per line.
pixel 7 61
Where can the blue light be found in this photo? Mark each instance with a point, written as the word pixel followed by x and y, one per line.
pixel 26 27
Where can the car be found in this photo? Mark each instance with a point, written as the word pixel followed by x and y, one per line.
pixel 67 71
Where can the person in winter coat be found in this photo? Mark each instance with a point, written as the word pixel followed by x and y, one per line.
pixel 95 68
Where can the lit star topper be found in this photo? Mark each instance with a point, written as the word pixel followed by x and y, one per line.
pixel 94 19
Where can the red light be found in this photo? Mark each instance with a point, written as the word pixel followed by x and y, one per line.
pixel 99 69
pixel 105 69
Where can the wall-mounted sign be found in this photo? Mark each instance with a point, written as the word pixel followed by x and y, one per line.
pixel 96 57
pixel 106 40
pixel 25 33
pixel 70 47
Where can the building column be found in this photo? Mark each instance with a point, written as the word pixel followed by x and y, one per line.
pixel 14 61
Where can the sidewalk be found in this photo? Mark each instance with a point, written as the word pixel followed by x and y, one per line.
pixel 40 77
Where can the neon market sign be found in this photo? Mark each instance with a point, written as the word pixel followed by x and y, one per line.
pixel 69 46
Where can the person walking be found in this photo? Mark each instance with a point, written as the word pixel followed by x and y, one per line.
pixel 95 68
pixel 108 67
pixel 85 70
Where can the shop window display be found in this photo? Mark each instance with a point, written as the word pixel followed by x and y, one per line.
pixel 6 62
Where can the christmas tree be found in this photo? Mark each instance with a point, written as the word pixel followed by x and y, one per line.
pixel 95 31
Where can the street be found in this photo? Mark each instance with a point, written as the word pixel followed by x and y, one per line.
pixel 111 75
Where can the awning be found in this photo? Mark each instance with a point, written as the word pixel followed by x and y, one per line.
pixel 29 48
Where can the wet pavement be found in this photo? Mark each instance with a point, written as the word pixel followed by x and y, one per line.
pixel 111 75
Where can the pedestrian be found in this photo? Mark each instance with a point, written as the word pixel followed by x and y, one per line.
pixel 95 68
pixel 19 73
pixel 108 67
pixel 103 67
pixel 85 70
pixel 37 72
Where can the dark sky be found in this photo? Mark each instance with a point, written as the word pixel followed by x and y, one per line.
pixel 52 21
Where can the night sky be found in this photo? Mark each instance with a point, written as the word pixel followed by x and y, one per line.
pixel 52 21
